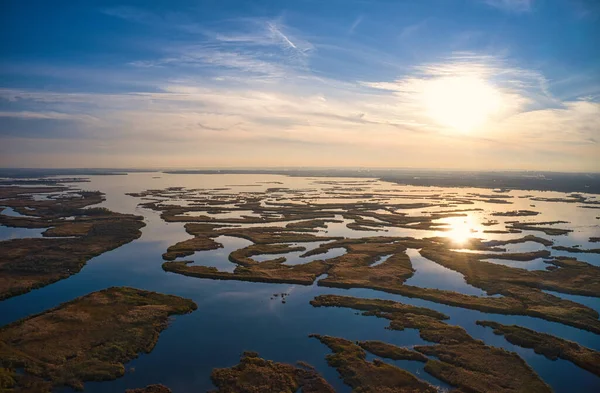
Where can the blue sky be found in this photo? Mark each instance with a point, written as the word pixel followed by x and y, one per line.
pixel 463 84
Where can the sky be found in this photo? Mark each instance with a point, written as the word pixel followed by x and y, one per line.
pixel 441 84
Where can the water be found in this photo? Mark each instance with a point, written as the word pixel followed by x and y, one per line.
pixel 9 211
pixel 536 264
pixel 218 258
pixel 417 369
pixel 7 233
pixel 296 258
pixel 380 260
pixel 431 275
pixel 236 316
pixel 591 302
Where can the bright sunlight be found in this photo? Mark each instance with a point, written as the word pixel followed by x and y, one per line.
pixel 461 228
pixel 462 103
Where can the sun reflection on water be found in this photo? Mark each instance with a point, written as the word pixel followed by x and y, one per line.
pixel 461 229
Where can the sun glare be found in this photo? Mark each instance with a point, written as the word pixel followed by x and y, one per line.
pixel 462 103
pixel 461 229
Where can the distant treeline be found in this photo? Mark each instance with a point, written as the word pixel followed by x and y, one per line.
pixel 538 181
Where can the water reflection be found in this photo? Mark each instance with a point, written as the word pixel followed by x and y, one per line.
pixel 432 275
pixel 461 228
pixel 8 233
pixel 219 258
pixel 237 316
pixel 535 264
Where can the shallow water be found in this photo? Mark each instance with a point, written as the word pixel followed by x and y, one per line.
pixel 296 258
pixel 9 211
pixel 536 264
pixel 236 316
pixel 218 258
pixel 431 275
pixel 7 233
pixel 380 260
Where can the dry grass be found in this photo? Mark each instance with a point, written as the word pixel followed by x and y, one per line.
pixel 89 338
pixel 256 375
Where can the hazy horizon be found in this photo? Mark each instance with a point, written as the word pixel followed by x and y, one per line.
pixel 327 196
pixel 451 85
pixel 289 168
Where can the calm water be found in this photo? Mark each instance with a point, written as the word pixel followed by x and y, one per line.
pixel 237 316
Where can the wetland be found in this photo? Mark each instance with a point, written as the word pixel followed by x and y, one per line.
pixel 299 284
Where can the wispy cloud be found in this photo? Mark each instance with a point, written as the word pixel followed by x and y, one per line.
pixel 409 31
pixel 586 9
pixel 282 37
pixel 511 5
pixel 131 14
pixel 260 47
pixel 518 89
pixel 249 90
pixel 48 116
pixel 356 23
pixel 371 113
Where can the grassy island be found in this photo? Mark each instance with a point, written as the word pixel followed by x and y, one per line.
pixel 75 234
pixel 87 339
pixel 255 375
pixel 550 346
pixel 459 359
pixel 150 389
pixel 369 377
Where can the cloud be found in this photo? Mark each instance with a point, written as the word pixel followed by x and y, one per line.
pixel 48 115
pixel 282 37
pixel 355 24
pixel 378 114
pixel 511 5
pixel 586 9
pixel 409 31
pixel 575 123
pixel 260 47
pixel 131 14
pixel 515 89
pixel 246 92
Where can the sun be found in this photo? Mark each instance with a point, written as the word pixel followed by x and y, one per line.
pixel 460 229
pixel 462 103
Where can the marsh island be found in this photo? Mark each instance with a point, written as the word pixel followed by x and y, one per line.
pixel 322 284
